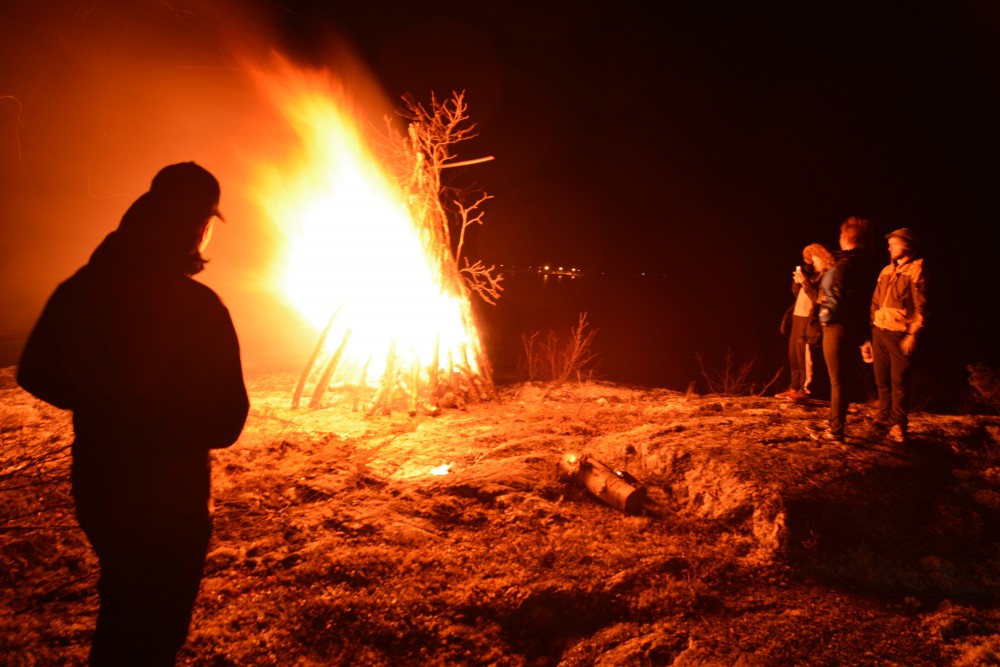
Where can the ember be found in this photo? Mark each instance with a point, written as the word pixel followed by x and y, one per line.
pixel 368 257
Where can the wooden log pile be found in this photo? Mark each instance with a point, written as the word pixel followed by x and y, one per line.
pixel 444 381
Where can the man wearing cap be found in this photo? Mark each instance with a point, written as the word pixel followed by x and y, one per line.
pixel 898 311
pixel 148 361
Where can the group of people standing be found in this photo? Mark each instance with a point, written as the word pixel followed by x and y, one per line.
pixel 846 312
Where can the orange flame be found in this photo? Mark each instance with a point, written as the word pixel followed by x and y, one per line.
pixel 351 250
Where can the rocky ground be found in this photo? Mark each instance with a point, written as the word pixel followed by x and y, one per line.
pixel 339 542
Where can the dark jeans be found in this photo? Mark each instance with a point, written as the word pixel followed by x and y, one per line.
pixel 841 351
pixel 893 371
pixel 150 531
pixel 797 349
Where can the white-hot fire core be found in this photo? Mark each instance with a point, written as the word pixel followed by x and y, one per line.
pixel 350 245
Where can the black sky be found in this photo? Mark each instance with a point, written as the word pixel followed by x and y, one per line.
pixel 705 142
pixel 661 127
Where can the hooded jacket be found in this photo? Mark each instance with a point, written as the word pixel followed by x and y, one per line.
pixel 146 357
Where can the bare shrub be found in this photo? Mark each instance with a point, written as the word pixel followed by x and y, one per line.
pixel 558 358
pixel 734 377
pixel 531 364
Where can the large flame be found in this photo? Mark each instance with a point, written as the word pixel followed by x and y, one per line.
pixel 351 255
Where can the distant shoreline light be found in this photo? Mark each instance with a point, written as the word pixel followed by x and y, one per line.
pixel 570 272
pixel 546 270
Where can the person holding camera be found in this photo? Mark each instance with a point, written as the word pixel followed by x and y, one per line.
pixel 801 325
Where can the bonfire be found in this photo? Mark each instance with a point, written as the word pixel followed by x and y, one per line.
pixel 374 251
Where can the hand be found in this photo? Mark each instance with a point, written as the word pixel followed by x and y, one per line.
pixel 908 344
pixel 798 276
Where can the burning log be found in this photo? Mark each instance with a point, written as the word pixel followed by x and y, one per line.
pixel 331 366
pixel 361 386
pixel 433 371
pixel 617 488
pixel 320 344
pixel 383 396
pixel 414 383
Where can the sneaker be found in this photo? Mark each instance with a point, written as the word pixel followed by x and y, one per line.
pixel 799 397
pixel 897 434
pixel 827 436
pixel 788 394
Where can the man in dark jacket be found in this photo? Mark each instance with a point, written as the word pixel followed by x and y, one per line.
pixel 148 361
pixel 845 318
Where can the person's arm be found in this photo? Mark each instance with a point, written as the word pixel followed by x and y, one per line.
pixel 812 289
pixel 216 403
pixel 918 294
pixel 877 297
pixel 831 286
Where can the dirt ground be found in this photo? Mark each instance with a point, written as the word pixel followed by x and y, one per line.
pixel 339 542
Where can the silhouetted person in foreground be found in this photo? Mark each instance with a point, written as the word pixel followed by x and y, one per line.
pixel 148 361
pixel 844 315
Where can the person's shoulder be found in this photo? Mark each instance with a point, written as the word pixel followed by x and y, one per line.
pixel 81 281
pixel 200 288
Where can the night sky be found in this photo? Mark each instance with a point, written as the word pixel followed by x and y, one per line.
pixel 703 143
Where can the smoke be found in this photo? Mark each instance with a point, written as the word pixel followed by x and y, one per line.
pixel 95 99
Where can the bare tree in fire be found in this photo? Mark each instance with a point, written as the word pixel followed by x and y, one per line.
pixel 420 157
